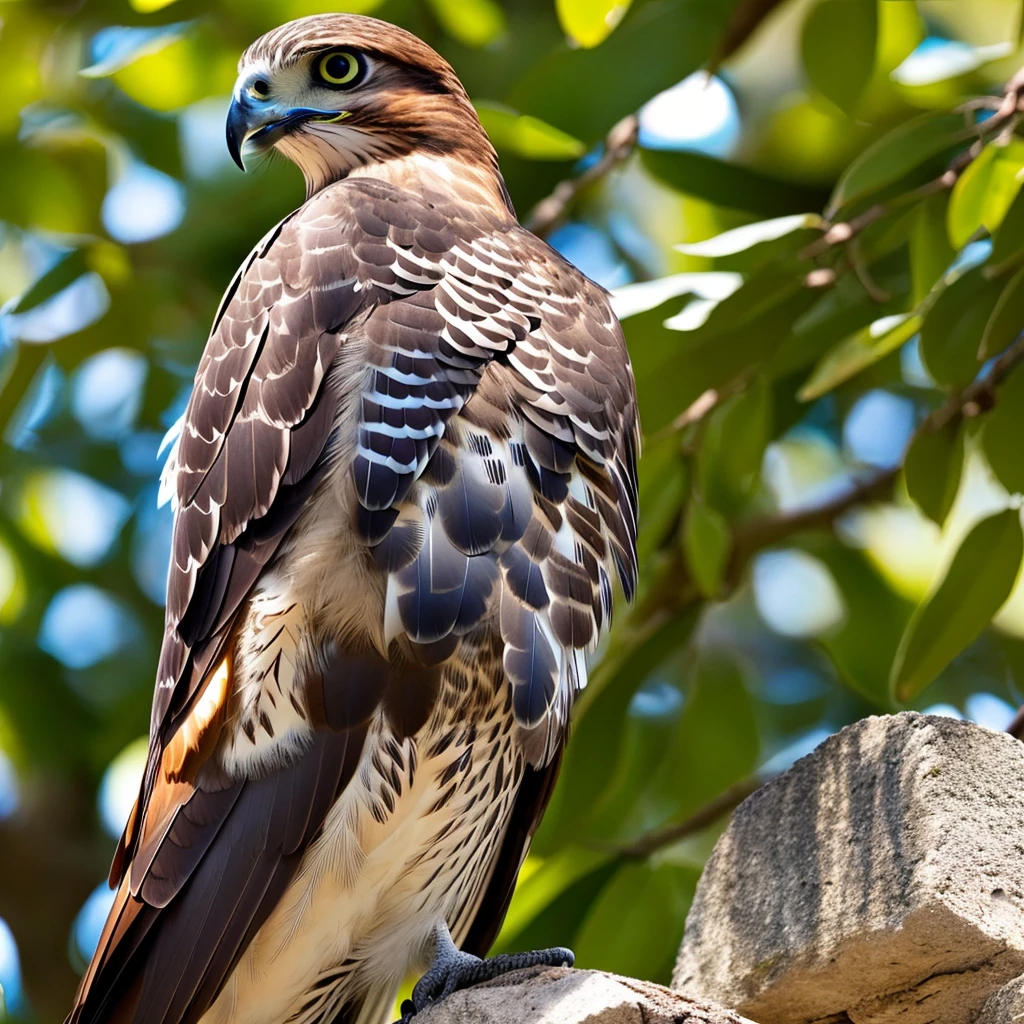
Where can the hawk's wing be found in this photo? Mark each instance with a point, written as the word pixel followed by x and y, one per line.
pixel 523 506
pixel 497 420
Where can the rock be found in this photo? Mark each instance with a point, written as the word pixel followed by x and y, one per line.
pixel 559 995
pixel 879 879
pixel 1006 1006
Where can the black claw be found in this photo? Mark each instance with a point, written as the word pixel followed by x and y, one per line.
pixel 453 970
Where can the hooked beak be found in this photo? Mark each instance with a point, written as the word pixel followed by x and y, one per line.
pixel 238 129
pixel 265 123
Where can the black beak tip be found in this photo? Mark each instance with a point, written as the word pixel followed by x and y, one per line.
pixel 235 154
pixel 235 132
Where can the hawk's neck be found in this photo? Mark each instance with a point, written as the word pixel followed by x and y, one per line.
pixel 470 175
pixel 472 181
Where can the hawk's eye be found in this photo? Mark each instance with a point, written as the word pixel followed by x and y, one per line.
pixel 341 68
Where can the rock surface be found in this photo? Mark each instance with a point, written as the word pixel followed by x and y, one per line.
pixel 559 995
pixel 879 879
pixel 1006 1006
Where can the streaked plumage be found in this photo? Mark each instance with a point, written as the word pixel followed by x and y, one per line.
pixel 404 485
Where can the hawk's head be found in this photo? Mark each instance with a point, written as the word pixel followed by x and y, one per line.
pixel 335 92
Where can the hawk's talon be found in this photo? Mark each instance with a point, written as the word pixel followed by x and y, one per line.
pixel 452 970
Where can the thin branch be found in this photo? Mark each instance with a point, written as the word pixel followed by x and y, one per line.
pixel 860 270
pixel 1006 113
pixel 723 804
pixel 552 210
pixel 705 403
pixel 673 592
pixel 763 533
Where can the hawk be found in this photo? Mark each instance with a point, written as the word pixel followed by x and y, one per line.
pixel 404 485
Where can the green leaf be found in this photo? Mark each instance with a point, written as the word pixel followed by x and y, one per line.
pixel 930 251
pixel 706 542
pixel 540 887
pixel 730 185
pixel 716 741
pixel 984 192
pixel 589 22
pixel 527 136
pixel 739 239
pixel 740 335
pixel 859 351
pixel 838 49
pixel 1001 437
pixel 118 46
pixel 150 6
pixel 975 586
pixel 586 91
pixel 635 926
pixel 473 22
pixel 863 645
pixel 592 759
pixel 840 312
pixel 932 469
pixel 626 808
pixel 732 448
pixel 896 155
pixel 1007 319
pixel 64 272
pixel 1008 243
pixel 953 327
pixel 564 912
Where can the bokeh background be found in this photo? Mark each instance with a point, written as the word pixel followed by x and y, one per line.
pixel 799 567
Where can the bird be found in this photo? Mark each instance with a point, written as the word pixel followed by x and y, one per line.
pixel 404 495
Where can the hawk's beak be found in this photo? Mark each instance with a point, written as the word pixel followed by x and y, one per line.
pixel 265 122
pixel 239 127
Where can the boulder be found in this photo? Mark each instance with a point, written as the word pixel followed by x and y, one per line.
pixel 1006 1006
pixel 559 995
pixel 881 878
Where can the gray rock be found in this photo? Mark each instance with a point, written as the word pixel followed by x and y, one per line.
pixel 879 879
pixel 559 995
pixel 1006 1006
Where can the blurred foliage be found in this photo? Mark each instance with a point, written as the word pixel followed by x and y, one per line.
pixel 828 288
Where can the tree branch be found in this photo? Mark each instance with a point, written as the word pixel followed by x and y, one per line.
pixel 552 210
pixel 672 593
pixel 1006 112
pixel 723 804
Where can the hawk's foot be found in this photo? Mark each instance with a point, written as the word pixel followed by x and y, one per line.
pixel 451 970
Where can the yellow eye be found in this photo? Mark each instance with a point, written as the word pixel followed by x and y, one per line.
pixel 340 68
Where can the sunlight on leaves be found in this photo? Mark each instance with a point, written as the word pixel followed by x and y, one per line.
pixel 473 22
pixel 527 136
pixel 71 515
pixel 589 22
pixel 116 47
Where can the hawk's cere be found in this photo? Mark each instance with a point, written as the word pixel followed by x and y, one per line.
pixel 405 482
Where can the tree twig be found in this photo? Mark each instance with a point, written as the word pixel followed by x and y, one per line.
pixel 1006 112
pixel 977 397
pixel 552 210
pixel 723 804
pixel 673 592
